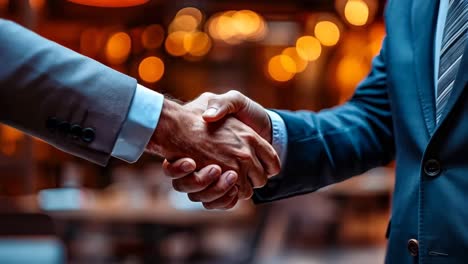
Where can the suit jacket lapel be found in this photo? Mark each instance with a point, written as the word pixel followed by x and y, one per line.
pixel 458 87
pixel 423 24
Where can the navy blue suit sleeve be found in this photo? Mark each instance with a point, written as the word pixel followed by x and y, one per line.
pixel 335 144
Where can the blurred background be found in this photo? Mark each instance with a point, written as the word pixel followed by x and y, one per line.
pixel 290 54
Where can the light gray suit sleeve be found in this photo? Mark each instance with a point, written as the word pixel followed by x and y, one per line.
pixel 70 101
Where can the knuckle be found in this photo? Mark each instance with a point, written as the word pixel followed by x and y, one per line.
pixel 224 186
pixel 244 154
pixel 207 94
pixel 250 137
pixel 262 182
pixel 235 95
pixel 233 92
pixel 200 180
pixel 193 197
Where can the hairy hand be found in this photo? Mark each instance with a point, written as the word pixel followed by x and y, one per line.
pixel 217 107
pixel 229 143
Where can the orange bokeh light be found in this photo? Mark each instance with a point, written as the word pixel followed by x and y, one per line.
pixel 151 69
pixel 276 68
pixel 300 64
pixel 233 27
pixel 118 48
pixel 308 48
pixel 327 32
pixel 356 12
pixel 191 11
pixel 175 43
pixel 186 23
pixel 197 43
pixel 349 72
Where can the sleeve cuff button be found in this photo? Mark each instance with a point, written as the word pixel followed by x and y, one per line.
pixel 88 135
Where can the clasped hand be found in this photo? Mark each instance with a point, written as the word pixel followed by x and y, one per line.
pixel 229 152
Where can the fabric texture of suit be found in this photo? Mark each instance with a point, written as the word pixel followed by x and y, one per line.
pixel 42 81
pixel 392 116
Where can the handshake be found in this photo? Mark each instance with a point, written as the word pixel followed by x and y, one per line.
pixel 217 148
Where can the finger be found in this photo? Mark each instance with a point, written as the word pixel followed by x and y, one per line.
pixel 245 188
pixel 257 176
pixel 232 204
pixel 268 157
pixel 221 105
pixel 225 201
pixel 217 190
pixel 197 181
pixel 179 168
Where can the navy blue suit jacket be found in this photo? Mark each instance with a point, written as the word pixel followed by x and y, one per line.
pixel 392 116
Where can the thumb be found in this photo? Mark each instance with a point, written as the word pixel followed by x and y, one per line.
pixel 224 104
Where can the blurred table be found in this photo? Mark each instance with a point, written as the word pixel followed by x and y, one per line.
pixel 160 212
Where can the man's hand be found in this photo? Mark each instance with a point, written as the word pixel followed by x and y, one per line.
pixel 207 185
pixel 219 106
pixel 182 132
pixel 241 107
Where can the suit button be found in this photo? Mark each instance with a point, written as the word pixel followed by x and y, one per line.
pixel 432 167
pixel 51 124
pixel 75 131
pixel 64 128
pixel 413 247
pixel 88 135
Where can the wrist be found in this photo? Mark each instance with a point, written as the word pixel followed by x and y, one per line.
pixel 163 130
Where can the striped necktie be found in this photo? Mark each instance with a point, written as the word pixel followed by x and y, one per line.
pixel 453 44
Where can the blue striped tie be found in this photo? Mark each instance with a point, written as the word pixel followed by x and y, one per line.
pixel 453 44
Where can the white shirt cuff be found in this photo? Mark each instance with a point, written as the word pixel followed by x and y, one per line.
pixel 142 119
pixel 279 135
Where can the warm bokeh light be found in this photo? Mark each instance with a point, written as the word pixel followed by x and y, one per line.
pixel 175 43
pixel 110 3
pixel 356 12
pixel 212 27
pixel 300 64
pixel 327 33
pixel 226 28
pixel 349 72
pixel 233 27
pixel 4 3
pixel 197 43
pixel 152 37
pixel 37 4
pixel 308 48
pixel 276 68
pixel 288 64
pixel 151 69
pixel 191 11
pixel 246 22
pixel 118 48
pixel 184 23
pixel 376 36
